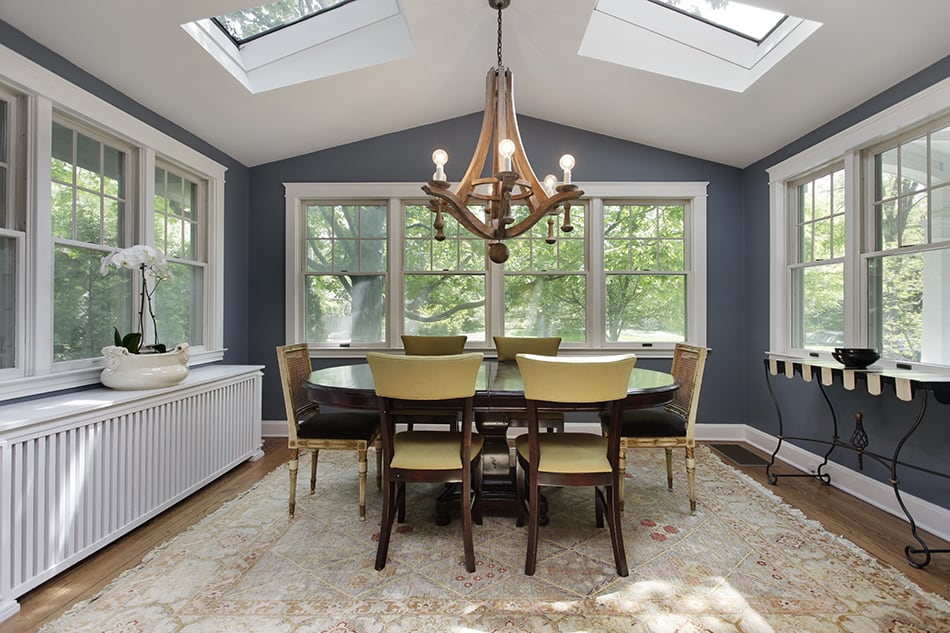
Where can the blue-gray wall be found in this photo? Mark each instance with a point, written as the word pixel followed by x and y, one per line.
pixel 406 157
pixel 803 409
pixel 235 189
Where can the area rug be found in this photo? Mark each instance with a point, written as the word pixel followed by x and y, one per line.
pixel 744 561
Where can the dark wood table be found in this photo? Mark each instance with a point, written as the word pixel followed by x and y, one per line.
pixel 499 389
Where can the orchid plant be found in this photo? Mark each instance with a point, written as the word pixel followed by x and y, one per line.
pixel 154 268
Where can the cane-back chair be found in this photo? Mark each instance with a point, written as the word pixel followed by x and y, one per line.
pixel 310 429
pixel 673 425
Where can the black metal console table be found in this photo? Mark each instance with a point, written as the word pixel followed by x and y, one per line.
pixel 906 384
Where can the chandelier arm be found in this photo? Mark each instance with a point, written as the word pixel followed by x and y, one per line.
pixel 519 159
pixel 546 209
pixel 483 146
pixel 457 209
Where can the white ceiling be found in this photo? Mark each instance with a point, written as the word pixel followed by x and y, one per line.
pixel 139 48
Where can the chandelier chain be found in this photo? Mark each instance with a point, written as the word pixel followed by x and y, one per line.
pixel 499 37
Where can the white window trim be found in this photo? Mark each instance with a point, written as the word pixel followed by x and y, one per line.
pixel 46 91
pixel 846 145
pixel 594 193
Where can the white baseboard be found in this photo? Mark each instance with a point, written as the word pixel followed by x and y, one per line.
pixel 928 516
pixel 9 609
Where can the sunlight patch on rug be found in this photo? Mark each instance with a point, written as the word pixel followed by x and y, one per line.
pixel 744 561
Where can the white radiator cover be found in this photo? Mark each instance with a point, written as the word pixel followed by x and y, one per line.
pixel 79 470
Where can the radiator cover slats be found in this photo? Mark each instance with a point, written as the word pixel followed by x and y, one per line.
pixel 73 484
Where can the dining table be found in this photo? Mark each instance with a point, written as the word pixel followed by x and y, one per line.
pixel 499 390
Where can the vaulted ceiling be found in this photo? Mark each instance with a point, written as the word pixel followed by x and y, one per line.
pixel 141 49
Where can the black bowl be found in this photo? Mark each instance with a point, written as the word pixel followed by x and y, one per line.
pixel 855 357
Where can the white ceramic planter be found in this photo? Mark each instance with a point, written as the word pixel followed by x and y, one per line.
pixel 128 371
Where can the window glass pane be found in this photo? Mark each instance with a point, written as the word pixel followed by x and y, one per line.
pixel 914 220
pixel 446 304
pixel 885 171
pixel 8 272
pixel 245 24
pixel 747 20
pixel 907 302
pixel 345 308
pixel 179 305
pixel 821 292
pixel 940 157
pixel 546 305
pixel 940 214
pixel 913 166
pixel 646 308
pixel 86 304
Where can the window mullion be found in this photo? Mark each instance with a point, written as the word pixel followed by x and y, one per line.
pixel 855 279
pixel 596 277
pixel 39 327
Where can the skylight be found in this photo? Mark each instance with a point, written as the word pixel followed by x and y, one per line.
pixel 719 43
pixel 247 24
pixel 742 19
pixel 292 41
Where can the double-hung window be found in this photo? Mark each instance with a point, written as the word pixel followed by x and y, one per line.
pixel 364 267
pixel 861 238
pixel 80 179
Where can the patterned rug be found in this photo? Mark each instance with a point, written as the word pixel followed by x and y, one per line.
pixel 745 561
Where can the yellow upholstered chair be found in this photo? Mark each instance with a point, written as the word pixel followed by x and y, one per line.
pixel 573 459
pixel 510 346
pixel 427 456
pixel 309 429
pixel 673 425
pixel 431 346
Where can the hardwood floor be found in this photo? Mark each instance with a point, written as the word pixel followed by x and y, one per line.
pixel 881 534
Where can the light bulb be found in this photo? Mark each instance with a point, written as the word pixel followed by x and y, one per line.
pixel 506 147
pixel 550 182
pixel 440 157
pixel 567 164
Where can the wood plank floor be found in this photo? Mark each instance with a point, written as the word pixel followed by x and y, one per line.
pixel 881 534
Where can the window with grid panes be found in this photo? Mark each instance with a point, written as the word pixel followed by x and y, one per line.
pixel 546 284
pixel 345 272
pixel 89 220
pixel 179 204
pixel 817 272
pixel 444 281
pixel 909 263
pixel 645 271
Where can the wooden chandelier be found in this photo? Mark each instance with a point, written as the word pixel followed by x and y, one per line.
pixel 514 182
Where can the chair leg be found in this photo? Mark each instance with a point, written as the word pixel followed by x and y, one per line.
pixel 691 477
pixel 622 466
pixel 521 496
pixel 379 464
pixel 313 470
pixel 401 502
pixel 467 539
pixel 616 531
pixel 669 468
pixel 386 523
pixel 361 459
pixel 534 511
pixel 477 481
pixel 293 464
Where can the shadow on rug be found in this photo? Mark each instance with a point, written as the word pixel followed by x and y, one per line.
pixel 744 561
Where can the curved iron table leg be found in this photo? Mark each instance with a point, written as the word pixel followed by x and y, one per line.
pixel 910 551
pixel 773 479
pixel 825 478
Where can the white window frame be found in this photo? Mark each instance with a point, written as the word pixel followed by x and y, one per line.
pixel 595 194
pixel 46 92
pixel 848 146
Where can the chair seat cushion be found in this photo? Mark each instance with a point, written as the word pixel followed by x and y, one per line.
pixel 568 452
pixel 346 425
pixel 652 423
pixel 431 450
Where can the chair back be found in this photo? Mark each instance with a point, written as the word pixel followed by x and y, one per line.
pixel 425 377
pixel 433 345
pixel 689 363
pixel 576 379
pixel 293 361
pixel 510 346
